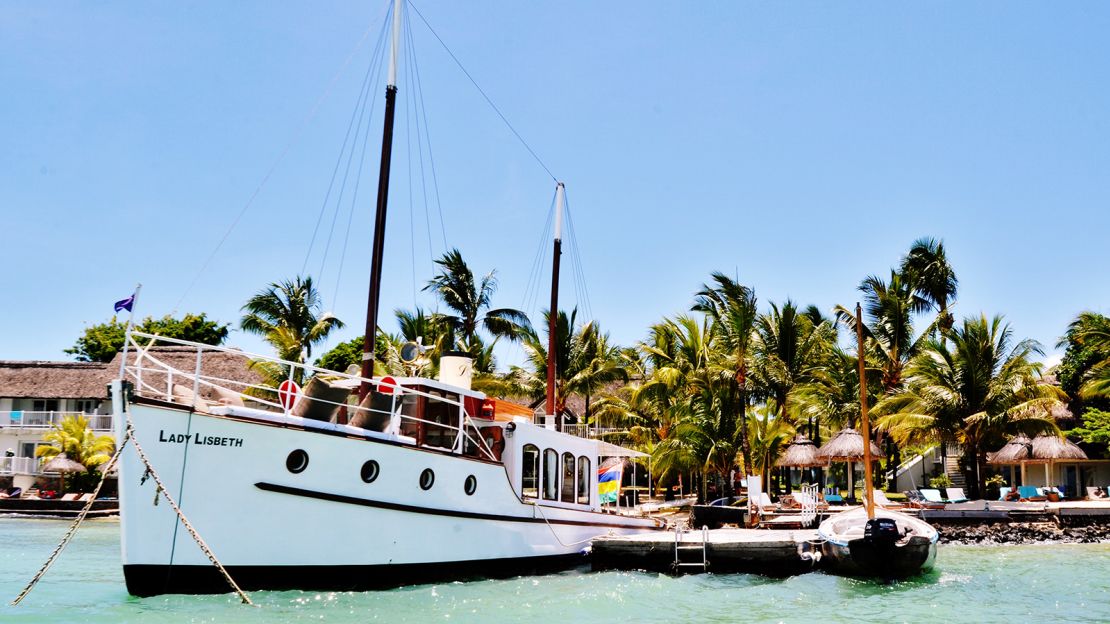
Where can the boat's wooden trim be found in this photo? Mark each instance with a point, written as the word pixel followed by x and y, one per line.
pixel 433 511
pixel 141 400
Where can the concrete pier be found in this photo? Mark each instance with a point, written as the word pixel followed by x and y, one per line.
pixel 774 553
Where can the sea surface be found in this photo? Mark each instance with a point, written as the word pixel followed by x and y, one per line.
pixel 1039 583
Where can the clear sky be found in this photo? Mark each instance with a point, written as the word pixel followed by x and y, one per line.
pixel 799 145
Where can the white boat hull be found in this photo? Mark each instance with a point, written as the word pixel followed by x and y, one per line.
pixel 324 527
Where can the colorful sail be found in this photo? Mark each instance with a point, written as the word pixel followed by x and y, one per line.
pixel 609 483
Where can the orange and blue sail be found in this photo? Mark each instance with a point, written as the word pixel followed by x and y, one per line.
pixel 609 483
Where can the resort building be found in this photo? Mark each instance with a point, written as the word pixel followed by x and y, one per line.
pixel 36 395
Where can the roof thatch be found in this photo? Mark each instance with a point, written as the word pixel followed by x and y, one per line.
pixel 847 445
pixel 36 379
pixel 801 453
pixel 1041 449
pixel 215 365
pixel 1060 411
pixel 61 463
pixel 1015 451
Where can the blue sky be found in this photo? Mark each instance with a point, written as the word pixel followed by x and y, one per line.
pixel 801 146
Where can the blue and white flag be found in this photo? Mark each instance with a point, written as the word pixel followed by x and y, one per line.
pixel 125 304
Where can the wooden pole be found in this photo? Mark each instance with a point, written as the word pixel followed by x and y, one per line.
pixel 869 497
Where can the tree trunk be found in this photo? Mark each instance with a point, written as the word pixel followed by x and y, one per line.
pixel 745 449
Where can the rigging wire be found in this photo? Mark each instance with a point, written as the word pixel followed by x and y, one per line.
pixel 359 104
pixel 431 158
pixel 281 157
pixel 421 115
pixel 360 109
pixel 487 98
pixel 408 151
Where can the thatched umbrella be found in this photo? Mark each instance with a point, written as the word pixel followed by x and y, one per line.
pixel 801 453
pixel 847 446
pixel 63 464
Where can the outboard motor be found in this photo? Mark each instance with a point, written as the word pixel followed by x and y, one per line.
pixel 881 532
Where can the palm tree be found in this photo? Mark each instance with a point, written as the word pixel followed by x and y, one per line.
pixel 74 438
pixel 1090 332
pixel 976 391
pixel 470 302
pixel 927 268
pixel 890 307
pixel 789 350
pixel 732 308
pixel 584 361
pixel 287 315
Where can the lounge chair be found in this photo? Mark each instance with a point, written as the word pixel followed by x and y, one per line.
pixel 1091 495
pixel 832 496
pixel 72 496
pixel 86 497
pixel 764 503
pixel 15 492
pixel 933 497
pixel 1002 492
pixel 955 495
pixel 1031 493
pixel 882 501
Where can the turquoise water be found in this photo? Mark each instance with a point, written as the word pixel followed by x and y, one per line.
pixel 1061 583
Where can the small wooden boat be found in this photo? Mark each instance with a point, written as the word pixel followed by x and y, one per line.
pixel 891 545
pixel 869 541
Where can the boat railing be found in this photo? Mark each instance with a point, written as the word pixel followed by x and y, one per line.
pixel 155 378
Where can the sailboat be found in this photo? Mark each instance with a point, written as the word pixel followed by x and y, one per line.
pixel 423 480
pixel 869 542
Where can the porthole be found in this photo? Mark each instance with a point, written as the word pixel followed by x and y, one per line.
pixel 470 485
pixel 297 461
pixel 370 471
pixel 427 478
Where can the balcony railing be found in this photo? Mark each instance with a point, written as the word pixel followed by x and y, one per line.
pixel 22 419
pixel 20 465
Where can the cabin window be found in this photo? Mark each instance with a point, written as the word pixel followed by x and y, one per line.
pixel 410 409
pixel 550 474
pixel 530 472
pixel 583 480
pixel 443 420
pixel 568 478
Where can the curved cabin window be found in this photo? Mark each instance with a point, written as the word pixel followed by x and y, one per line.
pixel 583 480
pixel 530 472
pixel 550 474
pixel 568 478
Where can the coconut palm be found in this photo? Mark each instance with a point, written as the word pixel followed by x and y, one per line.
pixel 789 350
pixel 976 391
pixel 770 435
pixel 469 300
pixel 287 314
pixel 584 361
pixel 890 307
pixel 1091 332
pixel 74 438
pixel 732 308
pixel 927 268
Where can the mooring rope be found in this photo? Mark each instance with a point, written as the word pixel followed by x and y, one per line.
pixel 181 516
pixel 72 529
pixel 548 522
pixel 129 436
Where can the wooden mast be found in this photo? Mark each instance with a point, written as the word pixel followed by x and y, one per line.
pixel 869 495
pixel 379 217
pixel 553 314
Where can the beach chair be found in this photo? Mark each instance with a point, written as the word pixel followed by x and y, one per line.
pixel 86 497
pixel 1002 492
pixel 955 495
pixel 1031 493
pixel 72 496
pixel 764 503
pixel 832 496
pixel 933 497
pixel 882 501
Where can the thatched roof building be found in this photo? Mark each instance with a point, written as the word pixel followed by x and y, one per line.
pixel 36 379
pixel 1041 449
pixel 216 366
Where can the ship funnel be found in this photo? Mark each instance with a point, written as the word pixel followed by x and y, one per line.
pixel 456 368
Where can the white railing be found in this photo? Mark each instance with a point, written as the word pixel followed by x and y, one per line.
pixel 20 465
pixel 23 419
pixel 590 431
pixel 161 379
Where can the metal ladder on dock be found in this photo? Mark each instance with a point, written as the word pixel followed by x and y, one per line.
pixel 680 547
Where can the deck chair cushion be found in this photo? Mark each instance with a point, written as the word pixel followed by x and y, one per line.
pixel 319 400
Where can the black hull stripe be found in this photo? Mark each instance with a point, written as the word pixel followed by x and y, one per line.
pixel 366 502
pixel 154 580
